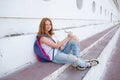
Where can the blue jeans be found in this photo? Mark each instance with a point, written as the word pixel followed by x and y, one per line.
pixel 64 56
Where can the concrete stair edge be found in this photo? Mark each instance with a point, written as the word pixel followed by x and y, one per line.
pixel 95 73
pixel 96 42
pixel 56 73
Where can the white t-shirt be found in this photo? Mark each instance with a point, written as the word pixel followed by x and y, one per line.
pixel 49 50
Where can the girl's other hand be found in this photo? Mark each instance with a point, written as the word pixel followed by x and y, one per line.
pixel 70 34
pixel 62 47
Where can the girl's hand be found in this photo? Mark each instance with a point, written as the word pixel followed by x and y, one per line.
pixel 62 47
pixel 70 35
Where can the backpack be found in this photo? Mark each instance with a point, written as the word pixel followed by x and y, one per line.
pixel 40 53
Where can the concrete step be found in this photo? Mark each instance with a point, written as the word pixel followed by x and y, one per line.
pixel 91 53
pixel 113 64
pixel 46 71
pixel 97 72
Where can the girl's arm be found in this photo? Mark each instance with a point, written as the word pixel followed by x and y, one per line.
pixel 50 43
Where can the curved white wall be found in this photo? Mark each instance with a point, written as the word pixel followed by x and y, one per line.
pixel 56 9
pixel 23 17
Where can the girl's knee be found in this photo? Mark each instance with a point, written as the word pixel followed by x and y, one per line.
pixel 75 59
pixel 75 39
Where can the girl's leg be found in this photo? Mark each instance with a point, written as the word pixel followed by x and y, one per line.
pixel 70 45
pixel 68 48
pixel 74 46
pixel 69 58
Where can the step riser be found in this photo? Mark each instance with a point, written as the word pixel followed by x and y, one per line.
pixel 96 72
pixel 50 77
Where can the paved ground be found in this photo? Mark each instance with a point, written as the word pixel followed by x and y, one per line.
pixel 39 70
pixel 93 53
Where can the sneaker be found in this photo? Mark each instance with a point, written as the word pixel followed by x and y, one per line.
pixel 80 68
pixel 92 62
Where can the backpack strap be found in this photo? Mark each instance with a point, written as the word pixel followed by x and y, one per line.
pixel 38 37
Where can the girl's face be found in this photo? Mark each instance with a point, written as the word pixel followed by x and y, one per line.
pixel 48 26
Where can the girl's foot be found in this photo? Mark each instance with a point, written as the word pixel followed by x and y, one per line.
pixel 79 67
pixel 92 62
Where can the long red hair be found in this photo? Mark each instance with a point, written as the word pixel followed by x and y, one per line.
pixel 42 27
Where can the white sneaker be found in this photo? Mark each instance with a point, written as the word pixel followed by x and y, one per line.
pixel 92 62
pixel 79 67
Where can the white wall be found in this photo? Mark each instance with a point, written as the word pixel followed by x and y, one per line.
pixel 17 52
pixel 54 9
pixel 23 17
